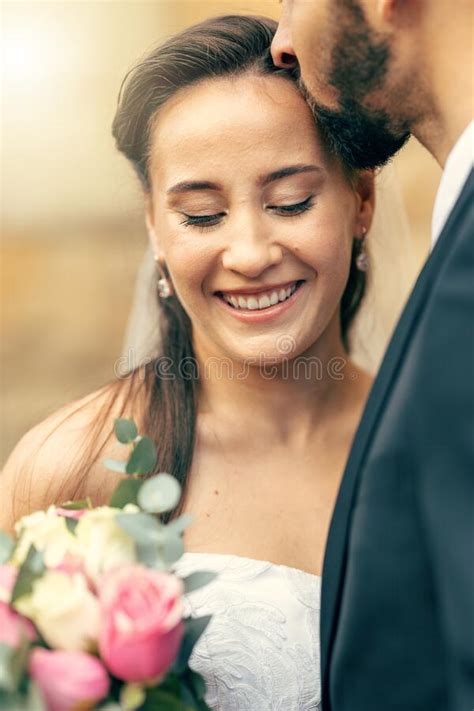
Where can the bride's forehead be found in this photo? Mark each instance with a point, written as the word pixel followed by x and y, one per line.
pixel 233 120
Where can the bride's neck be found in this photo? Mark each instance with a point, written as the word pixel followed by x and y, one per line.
pixel 288 402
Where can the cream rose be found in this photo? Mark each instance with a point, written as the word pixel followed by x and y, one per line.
pixel 64 610
pixel 48 533
pixel 103 545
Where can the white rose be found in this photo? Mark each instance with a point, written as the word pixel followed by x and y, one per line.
pixel 103 544
pixel 48 533
pixel 64 610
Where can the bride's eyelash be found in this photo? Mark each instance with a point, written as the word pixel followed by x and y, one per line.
pixel 295 209
pixel 202 222
pixel 206 222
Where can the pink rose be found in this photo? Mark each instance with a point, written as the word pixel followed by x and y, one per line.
pixel 8 576
pixel 141 622
pixel 69 680
pixel 76 514
pixel 14 627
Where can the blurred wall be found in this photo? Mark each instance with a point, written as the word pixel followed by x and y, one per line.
pixel 72 233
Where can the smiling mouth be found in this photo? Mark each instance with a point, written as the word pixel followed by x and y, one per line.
pixel 261 301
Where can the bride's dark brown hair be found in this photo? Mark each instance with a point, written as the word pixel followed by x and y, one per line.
pixel 225 46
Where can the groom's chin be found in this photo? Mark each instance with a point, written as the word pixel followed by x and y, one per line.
pixel 363 139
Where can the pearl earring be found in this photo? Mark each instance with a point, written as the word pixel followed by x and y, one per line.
pixel 362 260
pixel 164 285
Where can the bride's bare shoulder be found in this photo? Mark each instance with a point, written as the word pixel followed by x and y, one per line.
pixel 61 457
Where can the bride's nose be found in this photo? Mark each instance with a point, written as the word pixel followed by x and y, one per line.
pixel 251 251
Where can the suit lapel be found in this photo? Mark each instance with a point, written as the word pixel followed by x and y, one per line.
pixel 336 549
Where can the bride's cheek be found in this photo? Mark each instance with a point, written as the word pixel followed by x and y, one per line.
pixel 325 244
pixel 191 268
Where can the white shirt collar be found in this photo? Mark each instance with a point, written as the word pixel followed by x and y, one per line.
pixel 458 166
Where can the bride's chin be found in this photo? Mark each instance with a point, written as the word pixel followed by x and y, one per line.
pixel 273 354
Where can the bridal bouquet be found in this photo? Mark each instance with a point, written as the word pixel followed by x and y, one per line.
pixel 91 614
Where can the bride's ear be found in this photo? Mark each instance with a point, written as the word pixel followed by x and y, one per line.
pixel 365 190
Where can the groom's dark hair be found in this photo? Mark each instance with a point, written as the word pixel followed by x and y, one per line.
pixel 225 46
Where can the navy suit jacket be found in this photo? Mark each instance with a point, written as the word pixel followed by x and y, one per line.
pixel 397 614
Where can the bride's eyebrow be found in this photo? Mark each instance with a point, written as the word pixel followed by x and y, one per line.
pixel 287 172
pixel 194 185
pixel 190 185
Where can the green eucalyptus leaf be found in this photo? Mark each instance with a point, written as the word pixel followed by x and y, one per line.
pixel 157 699
pixel 179 525
pixel 159 494
pixel 187 696
pixel 150 555
pixel 202 706
pixel 13 662
pixel 77 505
pixel 171 546
pixel 142 527
pixel 35 701
pixel 197 580
pixel 197 683
pixel 171 684
pixel 33 567
pixel 12 701
pixel 193 629
pixel 71 524
pixel 126 493
pixel 125 430
pixel 6 547
pixel 116 465
pixel 7 682
pixel 143 458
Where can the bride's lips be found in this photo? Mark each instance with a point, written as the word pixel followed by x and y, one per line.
pixel 261 315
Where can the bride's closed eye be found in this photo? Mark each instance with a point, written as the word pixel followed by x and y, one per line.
pixel 293 209
pixel 203 222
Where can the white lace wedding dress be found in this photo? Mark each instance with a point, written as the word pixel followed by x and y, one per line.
pixel 260 652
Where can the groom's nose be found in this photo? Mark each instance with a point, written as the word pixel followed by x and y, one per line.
pixel 282 47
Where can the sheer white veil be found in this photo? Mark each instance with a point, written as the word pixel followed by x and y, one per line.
pixel 393 266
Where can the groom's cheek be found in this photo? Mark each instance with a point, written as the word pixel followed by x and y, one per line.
pixel 310 29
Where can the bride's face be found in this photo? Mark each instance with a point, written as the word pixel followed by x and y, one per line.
pixel 252 217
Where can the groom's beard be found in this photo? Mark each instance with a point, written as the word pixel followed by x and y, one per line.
pixel 363 137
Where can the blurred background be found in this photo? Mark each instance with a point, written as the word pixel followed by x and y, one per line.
pixel 72 226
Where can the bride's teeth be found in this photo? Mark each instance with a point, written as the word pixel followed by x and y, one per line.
pixel 264 302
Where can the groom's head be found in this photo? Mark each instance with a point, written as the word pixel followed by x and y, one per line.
pixel 358 61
